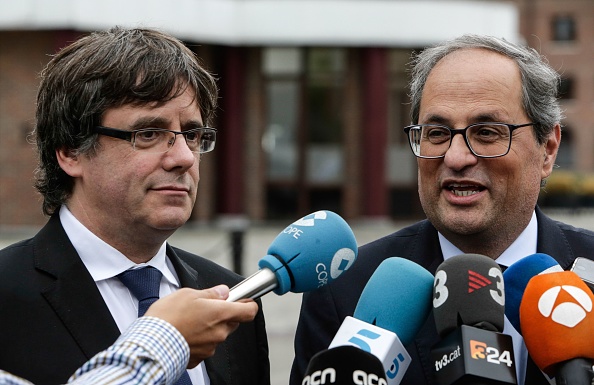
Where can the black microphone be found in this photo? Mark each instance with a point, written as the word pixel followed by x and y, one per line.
pixel 584 268
pixel 344 365
pixel 469 312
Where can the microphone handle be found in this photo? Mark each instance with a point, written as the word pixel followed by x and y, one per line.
pixel 576 371
pixel 254 286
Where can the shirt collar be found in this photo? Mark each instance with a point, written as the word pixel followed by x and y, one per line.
pixel 104 261
pixel 523 246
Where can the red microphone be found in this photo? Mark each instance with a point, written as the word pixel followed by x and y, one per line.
pixel 557 321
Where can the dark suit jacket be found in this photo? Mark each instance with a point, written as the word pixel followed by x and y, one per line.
pixel 324 310
pixel 53 318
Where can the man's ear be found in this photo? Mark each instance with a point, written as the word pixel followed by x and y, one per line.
pixel 551 147
pixel 69 162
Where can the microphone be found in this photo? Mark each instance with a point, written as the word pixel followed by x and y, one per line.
pixel 393 306
pixel 468 307
pixel 558 326
pixel 344 365
pixel 516 278
pixel 584 268
pixel 309 253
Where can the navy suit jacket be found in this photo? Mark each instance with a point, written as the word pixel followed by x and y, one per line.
pixel 324 310
pixel 53 318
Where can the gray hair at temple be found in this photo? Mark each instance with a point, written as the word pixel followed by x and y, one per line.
pixel 102 70
pixel 540 83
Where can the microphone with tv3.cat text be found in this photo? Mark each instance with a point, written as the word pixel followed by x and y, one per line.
pixel 468 307
pixel 344 365
pixel 558 326
pixel 393 306
pixel 516 278
pixel 309 253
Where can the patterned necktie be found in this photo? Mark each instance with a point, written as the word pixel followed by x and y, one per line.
pixel 144 284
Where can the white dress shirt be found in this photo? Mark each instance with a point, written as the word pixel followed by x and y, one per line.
pixel 104 263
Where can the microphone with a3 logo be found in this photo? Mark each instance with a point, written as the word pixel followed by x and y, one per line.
pixel 393 306
pixel 468 307
pixel 308 254
pixel 558 326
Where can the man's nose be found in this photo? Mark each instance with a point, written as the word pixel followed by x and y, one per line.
pixel 459 155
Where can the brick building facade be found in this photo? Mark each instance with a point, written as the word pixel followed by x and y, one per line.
pixel 302 126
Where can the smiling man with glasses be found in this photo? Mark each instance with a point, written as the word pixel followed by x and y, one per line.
pixel 117 181
pixel 486 131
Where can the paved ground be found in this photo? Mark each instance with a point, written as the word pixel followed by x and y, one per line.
pixel 281 311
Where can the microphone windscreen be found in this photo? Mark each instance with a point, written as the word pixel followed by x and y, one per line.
pixel 344 365
pixel 397 298
pixel 468 290
pixel 516 278
pixel 311 252
pixel 557 320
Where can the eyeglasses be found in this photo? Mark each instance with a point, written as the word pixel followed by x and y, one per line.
pixel 159 140
pixel 485 140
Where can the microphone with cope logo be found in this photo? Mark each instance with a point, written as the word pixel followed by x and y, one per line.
pixel 309 253
pixel 558 326
pixel 468 308
pixel 393 306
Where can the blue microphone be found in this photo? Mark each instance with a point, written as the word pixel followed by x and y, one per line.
pixel 516 279
pixel 397 297
pixel 393 306
pixel 309 253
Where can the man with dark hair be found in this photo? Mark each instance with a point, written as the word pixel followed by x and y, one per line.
pixel 486 134
pixel 122 120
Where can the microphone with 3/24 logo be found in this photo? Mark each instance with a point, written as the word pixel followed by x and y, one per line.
pixel 344 365
pixel 310 253
pixel 468 307
pixel 393 306
pixel 558 326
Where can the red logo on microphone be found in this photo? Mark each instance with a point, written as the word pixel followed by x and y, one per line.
pixel 476 281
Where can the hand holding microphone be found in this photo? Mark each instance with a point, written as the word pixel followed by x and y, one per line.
pixel 308 254
pixel 392 308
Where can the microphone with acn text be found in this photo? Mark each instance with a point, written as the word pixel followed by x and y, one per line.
pixel 516 278
pixel 558 326
pixel 309 253
pixel 468 307
pixel 344 365
pixel 393 306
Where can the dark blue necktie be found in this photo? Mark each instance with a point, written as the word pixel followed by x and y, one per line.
pixel 144 284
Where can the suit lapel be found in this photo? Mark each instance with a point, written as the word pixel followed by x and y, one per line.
pixel 217 366
pixel 188 276
pixel 73 295
pixel 428 252
pixel 552 241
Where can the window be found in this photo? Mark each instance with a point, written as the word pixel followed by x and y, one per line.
pixel 282 67
pixel 326 69
pixel 563 28
pixel 566 88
